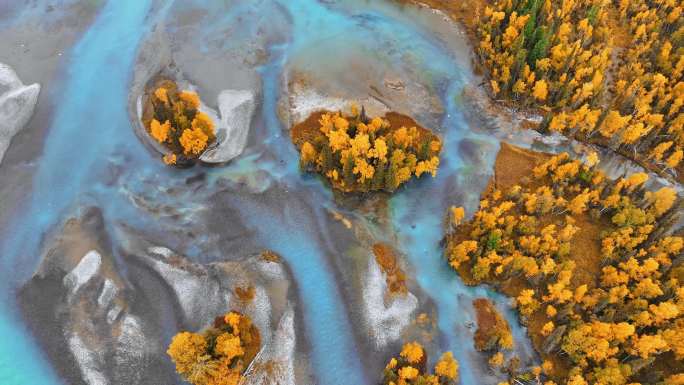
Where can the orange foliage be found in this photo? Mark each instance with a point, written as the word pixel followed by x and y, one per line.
pixel 597 305
pixel 186 132
pixel 608 67
pixel 219 355
pixel 351 151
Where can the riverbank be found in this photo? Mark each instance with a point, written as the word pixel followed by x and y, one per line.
pixel 465 12
pixel 588 108
pixel 261 200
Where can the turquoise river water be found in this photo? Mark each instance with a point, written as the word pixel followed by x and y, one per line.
pixel 90 132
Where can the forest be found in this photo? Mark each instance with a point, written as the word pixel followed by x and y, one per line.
pixel 592 265
pixel 603 72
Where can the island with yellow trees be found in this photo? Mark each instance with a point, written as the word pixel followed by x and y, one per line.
pixel 410 367
pixel 172 117
pixel 220 354
pixel 357 153
pixel 591 262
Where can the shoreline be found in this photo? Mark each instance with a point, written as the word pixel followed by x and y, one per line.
pixel 467 18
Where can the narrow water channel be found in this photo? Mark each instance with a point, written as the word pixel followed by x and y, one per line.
pixel 90 132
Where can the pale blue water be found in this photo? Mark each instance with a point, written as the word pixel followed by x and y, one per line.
pixel 83 134
pixel 90 134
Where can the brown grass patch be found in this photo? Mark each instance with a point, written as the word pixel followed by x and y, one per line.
pixel 245 294
pixel 514 164
pixel 491 325
pixel 387 259
pixel 586 249
pixel 308 130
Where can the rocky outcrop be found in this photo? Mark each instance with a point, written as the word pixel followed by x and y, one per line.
pixel 107 320
pixel 237 110
pixel 17 103
pixel 79 307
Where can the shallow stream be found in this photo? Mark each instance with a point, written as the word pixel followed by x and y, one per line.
pixel 92 157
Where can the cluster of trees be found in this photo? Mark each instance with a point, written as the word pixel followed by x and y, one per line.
pixel 622 310
pixel 410 368
pixel 357 153
pixel 395 277
pixel 541 53
pixel 173 119
pixel 566 59
pixel 649 87
pixel 218 355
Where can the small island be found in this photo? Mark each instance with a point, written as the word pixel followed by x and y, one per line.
pixel 411 368
pixel 174 120
pixel 220 354
pixel 356 153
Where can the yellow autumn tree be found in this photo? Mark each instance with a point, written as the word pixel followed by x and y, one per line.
pixel 218 355
pixel 186 132
pixel 412 352
pixel 159 131
pixel 187 349
pixel 409 368
pixel 447 366
pixel 358 154
pixel 540 91
pixel 307 154
pixel 457 215
pixel 193 141
pixel 662 200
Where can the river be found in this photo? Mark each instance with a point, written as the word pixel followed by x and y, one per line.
pixel 92 157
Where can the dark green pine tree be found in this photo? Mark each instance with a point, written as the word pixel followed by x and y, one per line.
pixel 327 157
pixel 348 171
pixel 390 178
pixel 378 181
